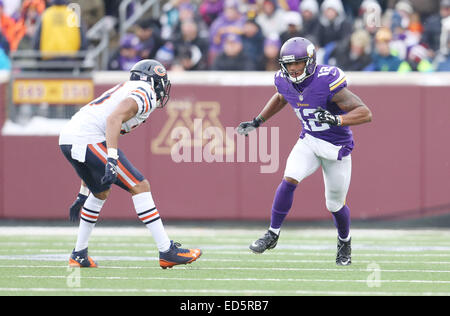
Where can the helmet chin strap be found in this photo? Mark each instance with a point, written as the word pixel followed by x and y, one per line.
pixel 298 79
pixel 303 76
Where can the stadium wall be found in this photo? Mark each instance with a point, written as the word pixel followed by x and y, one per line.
pixel 401 161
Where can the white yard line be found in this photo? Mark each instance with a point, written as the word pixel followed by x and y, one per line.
pixel 63 257
pixel 233 279
pixel 214 291
pixel 214 231
pixel 197 268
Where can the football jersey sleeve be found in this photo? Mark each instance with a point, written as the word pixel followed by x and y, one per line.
pixel 144 98
pixel 280 82
pixel 337 81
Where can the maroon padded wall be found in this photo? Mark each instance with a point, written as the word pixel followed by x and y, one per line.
pixel 401 161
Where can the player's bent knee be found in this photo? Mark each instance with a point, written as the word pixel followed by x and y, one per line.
pixel 102 195
pixel 334 206
pixel 143 186
pixel 291 180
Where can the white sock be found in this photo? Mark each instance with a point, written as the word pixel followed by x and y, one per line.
pixel 89 215
pixel 275 230
pixel 148 214
pixel 345 239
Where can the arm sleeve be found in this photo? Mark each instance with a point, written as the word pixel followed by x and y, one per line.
pixel 336 82
pixel 144 98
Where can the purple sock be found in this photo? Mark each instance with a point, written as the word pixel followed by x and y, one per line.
pixel 282 203
pixel 342 221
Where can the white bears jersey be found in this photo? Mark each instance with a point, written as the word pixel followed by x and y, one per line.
pixel 88 126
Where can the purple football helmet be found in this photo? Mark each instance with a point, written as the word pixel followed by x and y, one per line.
pixel 298 49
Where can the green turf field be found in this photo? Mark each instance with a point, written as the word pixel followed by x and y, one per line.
pixel 33 261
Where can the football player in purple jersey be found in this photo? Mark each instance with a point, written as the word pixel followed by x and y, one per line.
pixel 319 96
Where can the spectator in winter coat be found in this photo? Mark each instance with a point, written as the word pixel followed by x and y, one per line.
pixel 294 25
pixel 383 59
pixel 191 51
pixel 333 25
pixel 230 22
pixel 232 57
pixel 253 43
pixel 309 10
pixel 354 54
pixel 433 25
pixel 270 18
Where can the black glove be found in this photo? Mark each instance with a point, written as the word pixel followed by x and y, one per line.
pixel 110 171
pixel 325 116
pixel 246 127
pixel 75 208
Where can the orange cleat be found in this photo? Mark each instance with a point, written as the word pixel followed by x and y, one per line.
pixel 80 259
pixel 175 256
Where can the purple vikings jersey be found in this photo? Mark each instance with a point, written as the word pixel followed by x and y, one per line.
pixel 318 90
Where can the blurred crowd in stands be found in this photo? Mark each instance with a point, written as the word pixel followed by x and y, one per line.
pixel 356 35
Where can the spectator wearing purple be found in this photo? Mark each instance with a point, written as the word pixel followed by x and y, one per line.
pixel 127 55
pixel 210 10
pixel 289 5
pixel 231 21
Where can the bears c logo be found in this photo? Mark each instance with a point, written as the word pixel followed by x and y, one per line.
pixel 160 71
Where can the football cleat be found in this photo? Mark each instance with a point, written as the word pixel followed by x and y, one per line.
pixel 176 255
pixel 268 241
pixel 344 253
pixel 80 259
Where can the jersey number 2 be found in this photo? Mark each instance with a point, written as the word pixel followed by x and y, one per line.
pixel 309 120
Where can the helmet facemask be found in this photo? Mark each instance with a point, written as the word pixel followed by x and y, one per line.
pixel 162 90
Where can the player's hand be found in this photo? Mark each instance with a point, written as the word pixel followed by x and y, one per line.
pixel 75 208
pixel 325 116
pixel 246 127
pixel 110 172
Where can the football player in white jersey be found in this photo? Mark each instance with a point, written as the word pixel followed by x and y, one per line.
pixel 89 141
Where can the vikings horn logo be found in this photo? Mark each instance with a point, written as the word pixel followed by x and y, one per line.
pixel 310 50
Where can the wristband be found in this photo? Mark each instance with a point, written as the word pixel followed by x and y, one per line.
pixel 261 119
pixel 84 190
pixel 112 153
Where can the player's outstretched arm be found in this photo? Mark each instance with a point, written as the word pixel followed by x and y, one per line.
pixel 357 111
pixel 272 107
